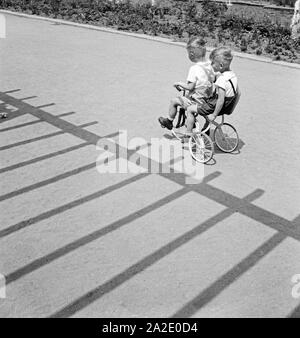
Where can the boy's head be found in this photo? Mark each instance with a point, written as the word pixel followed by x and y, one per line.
pixel 196 49
pixel 221 59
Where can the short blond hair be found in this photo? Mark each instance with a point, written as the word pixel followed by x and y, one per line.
pixel 199 43
pixel 196 41
pixel 222 54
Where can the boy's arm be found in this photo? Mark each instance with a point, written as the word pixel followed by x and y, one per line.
pixel 220 103
pixel 187 86
pixel 238 95
pixel 190 83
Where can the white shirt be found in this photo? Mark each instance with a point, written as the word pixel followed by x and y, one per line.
pixel 223 82
pixel 203 75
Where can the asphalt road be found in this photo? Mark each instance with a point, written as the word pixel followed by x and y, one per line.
pixel 77 242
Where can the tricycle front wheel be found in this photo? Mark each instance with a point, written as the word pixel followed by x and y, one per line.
pixel 201 147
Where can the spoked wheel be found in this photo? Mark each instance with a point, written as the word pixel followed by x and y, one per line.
pixel 201 147
pixel 226 137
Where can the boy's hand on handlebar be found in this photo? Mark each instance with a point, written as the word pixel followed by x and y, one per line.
pixel 178 85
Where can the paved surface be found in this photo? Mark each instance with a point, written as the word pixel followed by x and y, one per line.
pixel 75 242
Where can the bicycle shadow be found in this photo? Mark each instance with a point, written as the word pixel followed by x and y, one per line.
pixel 236 152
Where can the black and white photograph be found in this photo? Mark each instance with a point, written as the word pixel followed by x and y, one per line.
pixel 149 164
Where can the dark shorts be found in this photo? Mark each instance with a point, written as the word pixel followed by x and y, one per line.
pixel 206 106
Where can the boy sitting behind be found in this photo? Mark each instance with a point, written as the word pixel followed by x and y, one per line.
pixel 227 93
pixel 199 81
pixel 227 83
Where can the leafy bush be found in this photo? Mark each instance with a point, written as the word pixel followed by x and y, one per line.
pixel 248 30
pixel 290 3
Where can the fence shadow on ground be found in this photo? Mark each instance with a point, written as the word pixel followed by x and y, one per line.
pixel 232 204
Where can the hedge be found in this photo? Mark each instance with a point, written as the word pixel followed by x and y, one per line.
pixel 177 19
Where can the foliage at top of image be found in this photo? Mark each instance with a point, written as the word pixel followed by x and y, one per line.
pixel 251 31
pixel 290 3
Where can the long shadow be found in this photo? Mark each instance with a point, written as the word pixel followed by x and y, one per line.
pixel 146 262
pixel 54 154
pixel 229 277
pixel 12 91
pixel 28 98
pixel 48 181
pixel 60 177
pixel 29 222
pixel 30 123
pixel 43 137
pixel 20 126
pixel 44 157
pixel 67 127
pixel 45 105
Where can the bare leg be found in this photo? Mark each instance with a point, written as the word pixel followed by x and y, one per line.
pixel 168 122
pixel 190 120
pixel 173 107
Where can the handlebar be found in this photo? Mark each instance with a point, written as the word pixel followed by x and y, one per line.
pixel 178 88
